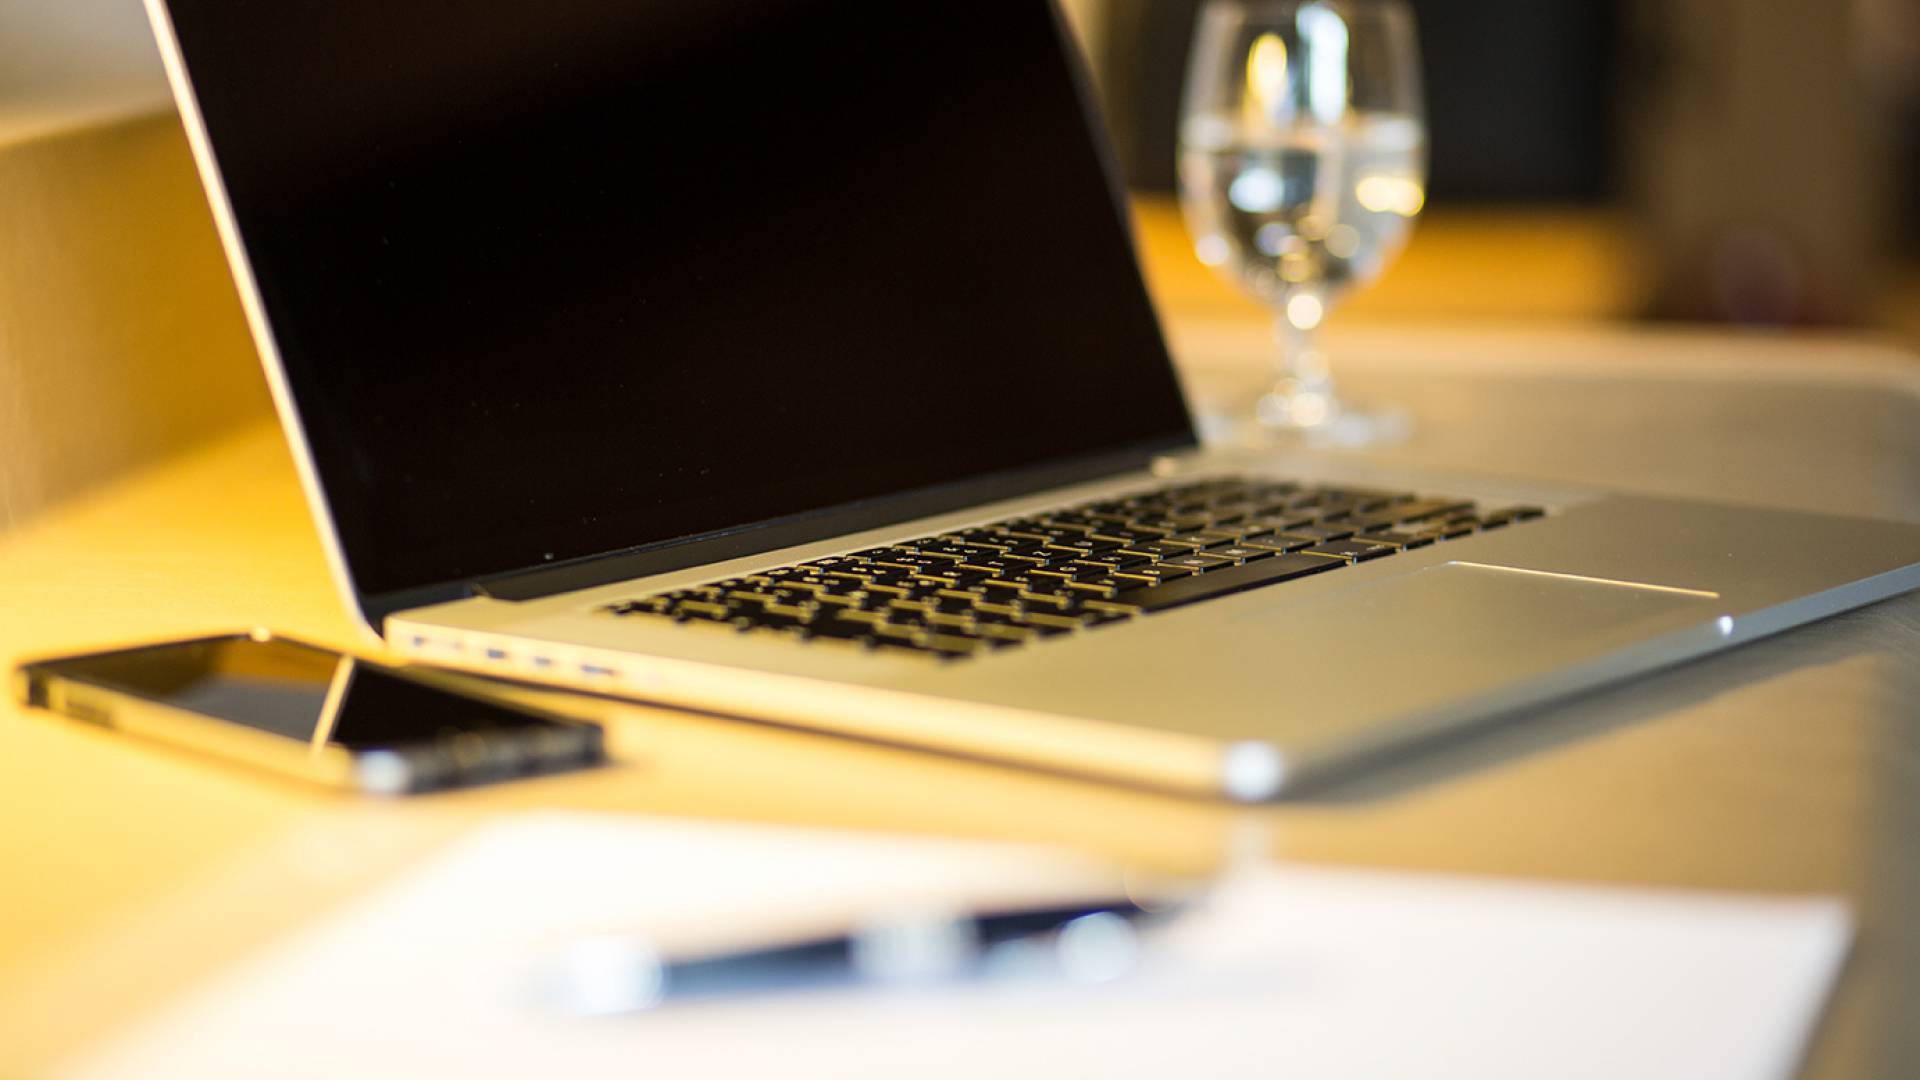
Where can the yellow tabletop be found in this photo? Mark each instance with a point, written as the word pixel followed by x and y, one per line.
pixel 128 871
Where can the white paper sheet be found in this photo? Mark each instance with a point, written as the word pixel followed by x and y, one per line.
pixel 1282 972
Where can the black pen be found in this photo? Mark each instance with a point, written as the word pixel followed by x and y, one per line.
pixel 612 974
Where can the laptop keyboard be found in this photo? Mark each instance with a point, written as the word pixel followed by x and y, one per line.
pixel 1027 579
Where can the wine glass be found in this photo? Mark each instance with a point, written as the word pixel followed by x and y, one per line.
pixel 1302 166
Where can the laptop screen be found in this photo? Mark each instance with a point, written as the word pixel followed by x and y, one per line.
pixel 556 279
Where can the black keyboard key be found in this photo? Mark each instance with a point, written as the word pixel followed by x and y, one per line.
pixel 915 561
pixel 1112 560
pixel 1335 510
pixel 795 597
pixel 1156 572
pixel 1402 540
pixel 1240 552
pixel 907 612
pixel 1224 582
pixel 1085 545
pixel 752 596
pixel 1066 572
pixel 843 630
pixel 1128 536
pixel 653 605
pixel 899 633
pixel 1060 534
pixel 778 617
pixel 1409 512
pixel 950 602
pixel 1108 607
pixel 1421 509
pixel 1047 587
pixel 999 602
pixel 1005 564
pixel 1198 563
pixel 1280 522
pixel 1493 519
pixel 1204 538
pixel 1364 499
pixel 1056 601
pixel 946 548
pixel 1367 523
pixel 1320 533
pixel 1171 524
pixel 1163 548
pixel 703 609
pixel 957 574
pixel 1357 550
pixel 832 562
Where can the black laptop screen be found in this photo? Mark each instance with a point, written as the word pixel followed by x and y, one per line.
pixel 570 277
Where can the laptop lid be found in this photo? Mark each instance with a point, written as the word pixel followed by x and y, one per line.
pixel 555 294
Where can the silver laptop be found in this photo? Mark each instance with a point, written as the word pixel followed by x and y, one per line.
pixel 789 360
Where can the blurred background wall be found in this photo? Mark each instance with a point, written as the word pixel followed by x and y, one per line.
pixel 121 339
pixel 1723 161
pixel 65 61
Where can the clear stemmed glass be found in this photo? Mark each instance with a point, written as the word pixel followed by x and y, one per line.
pixel 1302 166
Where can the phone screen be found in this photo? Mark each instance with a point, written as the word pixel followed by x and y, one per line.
pixel 297 691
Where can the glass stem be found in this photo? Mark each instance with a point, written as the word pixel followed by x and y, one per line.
pixel 1302 394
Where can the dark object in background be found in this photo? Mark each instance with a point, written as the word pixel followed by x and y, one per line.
pixel 1762 164
pixel 1517 94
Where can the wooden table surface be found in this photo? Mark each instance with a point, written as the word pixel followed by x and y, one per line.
pixel 129 872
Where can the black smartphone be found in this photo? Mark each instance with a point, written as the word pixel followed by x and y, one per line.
pixel 310 712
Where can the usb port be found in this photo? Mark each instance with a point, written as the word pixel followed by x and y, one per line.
pixel 596 669
pixel 496 654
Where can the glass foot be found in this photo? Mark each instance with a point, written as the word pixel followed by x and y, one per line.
pixel 1273 420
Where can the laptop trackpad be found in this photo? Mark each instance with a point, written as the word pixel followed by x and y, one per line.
pixel 1495 614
